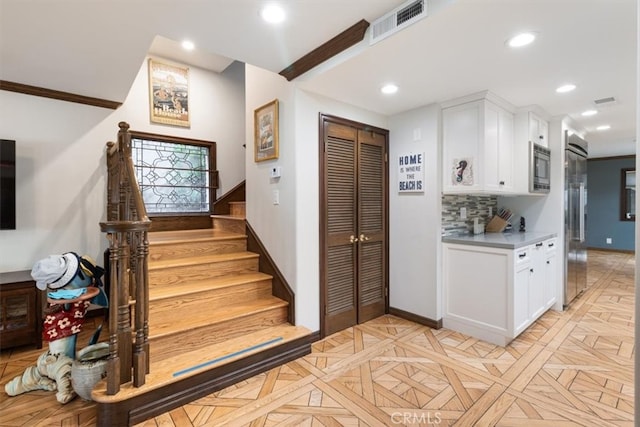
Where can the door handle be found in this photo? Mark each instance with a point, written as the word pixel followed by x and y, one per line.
pixel 582 201
pixel 363 238
pixel 353 239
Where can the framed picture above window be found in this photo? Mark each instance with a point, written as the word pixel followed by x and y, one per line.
pixel 169 94
pixel 266 132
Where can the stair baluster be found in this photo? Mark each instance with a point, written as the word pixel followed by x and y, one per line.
pixel 127 226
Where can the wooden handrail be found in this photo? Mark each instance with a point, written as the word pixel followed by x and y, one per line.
pixel 127 227
pixel 124 226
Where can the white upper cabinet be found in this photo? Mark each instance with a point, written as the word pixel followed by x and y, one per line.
pixel 538 129
pixel 531 126
pixel 478 138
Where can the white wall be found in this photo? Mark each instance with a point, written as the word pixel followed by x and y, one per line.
pixel 61 165
pixel 290 230
pixel 274 224
pixel 636 364
pixel 612 148
pixel 414 218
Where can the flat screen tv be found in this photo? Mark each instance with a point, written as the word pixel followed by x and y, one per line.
pixel 7 184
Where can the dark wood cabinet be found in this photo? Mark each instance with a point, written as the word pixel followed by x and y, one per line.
pixel 20 310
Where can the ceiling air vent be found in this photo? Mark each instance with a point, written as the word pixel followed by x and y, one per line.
pixel 397 19
pixel 605 102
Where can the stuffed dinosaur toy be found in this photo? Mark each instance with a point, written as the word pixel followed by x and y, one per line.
pixel 51 372
pixel 67 277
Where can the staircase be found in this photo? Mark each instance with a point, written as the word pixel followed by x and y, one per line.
pixel 213 321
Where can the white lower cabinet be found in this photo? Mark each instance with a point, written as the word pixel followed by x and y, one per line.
pixel 537 282
pixel 494 294
pixel 521 286
pixel 550 269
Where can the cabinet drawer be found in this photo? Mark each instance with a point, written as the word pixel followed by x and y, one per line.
pixel 551 245
pixel 522 256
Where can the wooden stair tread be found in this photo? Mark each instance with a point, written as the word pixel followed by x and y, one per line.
pixel 171 237
pixel 158 293
pixel 213 356
pixel 237 218
pixel 180 262
pixel 210 318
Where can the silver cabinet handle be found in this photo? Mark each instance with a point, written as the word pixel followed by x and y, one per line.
pixel 581 219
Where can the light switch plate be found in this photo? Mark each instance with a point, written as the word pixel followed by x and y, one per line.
pixel 276 197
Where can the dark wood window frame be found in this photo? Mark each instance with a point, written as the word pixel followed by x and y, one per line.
pixel 187 220
pixel 624 208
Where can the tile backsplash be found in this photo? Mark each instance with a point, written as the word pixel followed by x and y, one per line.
pixel 477 207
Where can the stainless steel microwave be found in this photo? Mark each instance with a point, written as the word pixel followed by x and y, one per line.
pixel 539 169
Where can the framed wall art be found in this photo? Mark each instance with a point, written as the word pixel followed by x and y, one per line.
pixel 266 131
pixel 169 94
pixel 462 171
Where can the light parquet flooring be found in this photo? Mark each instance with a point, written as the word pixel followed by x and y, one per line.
pixel 568 369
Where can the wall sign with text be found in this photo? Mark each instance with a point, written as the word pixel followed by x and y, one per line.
pixel 411 173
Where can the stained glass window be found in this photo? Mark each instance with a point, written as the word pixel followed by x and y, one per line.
pixel 173 178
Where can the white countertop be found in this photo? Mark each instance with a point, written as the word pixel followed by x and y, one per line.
pixel 509 240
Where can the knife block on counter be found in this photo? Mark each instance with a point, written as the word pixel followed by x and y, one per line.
pixel 496 225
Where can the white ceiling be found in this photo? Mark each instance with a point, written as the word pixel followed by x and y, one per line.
pixel 95 48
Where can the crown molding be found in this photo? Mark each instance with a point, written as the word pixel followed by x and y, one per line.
pixel 342 41
pixel 59 95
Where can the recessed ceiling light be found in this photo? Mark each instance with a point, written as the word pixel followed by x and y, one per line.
pixel 521 39
pixel 272 13
pixel 389 89
pixel 188 45
pixel 603 127
pixel 589 113
pixel 566 88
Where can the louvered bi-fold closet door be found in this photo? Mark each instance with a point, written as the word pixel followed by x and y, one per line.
pixel 371 225
pixel 354 264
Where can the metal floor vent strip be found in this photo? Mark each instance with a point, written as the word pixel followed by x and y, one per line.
pixel 228 356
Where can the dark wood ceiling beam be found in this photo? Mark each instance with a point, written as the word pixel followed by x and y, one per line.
pixel 342 41
pixel 59 95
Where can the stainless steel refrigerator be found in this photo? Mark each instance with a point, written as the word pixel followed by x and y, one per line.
pixel 575 217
